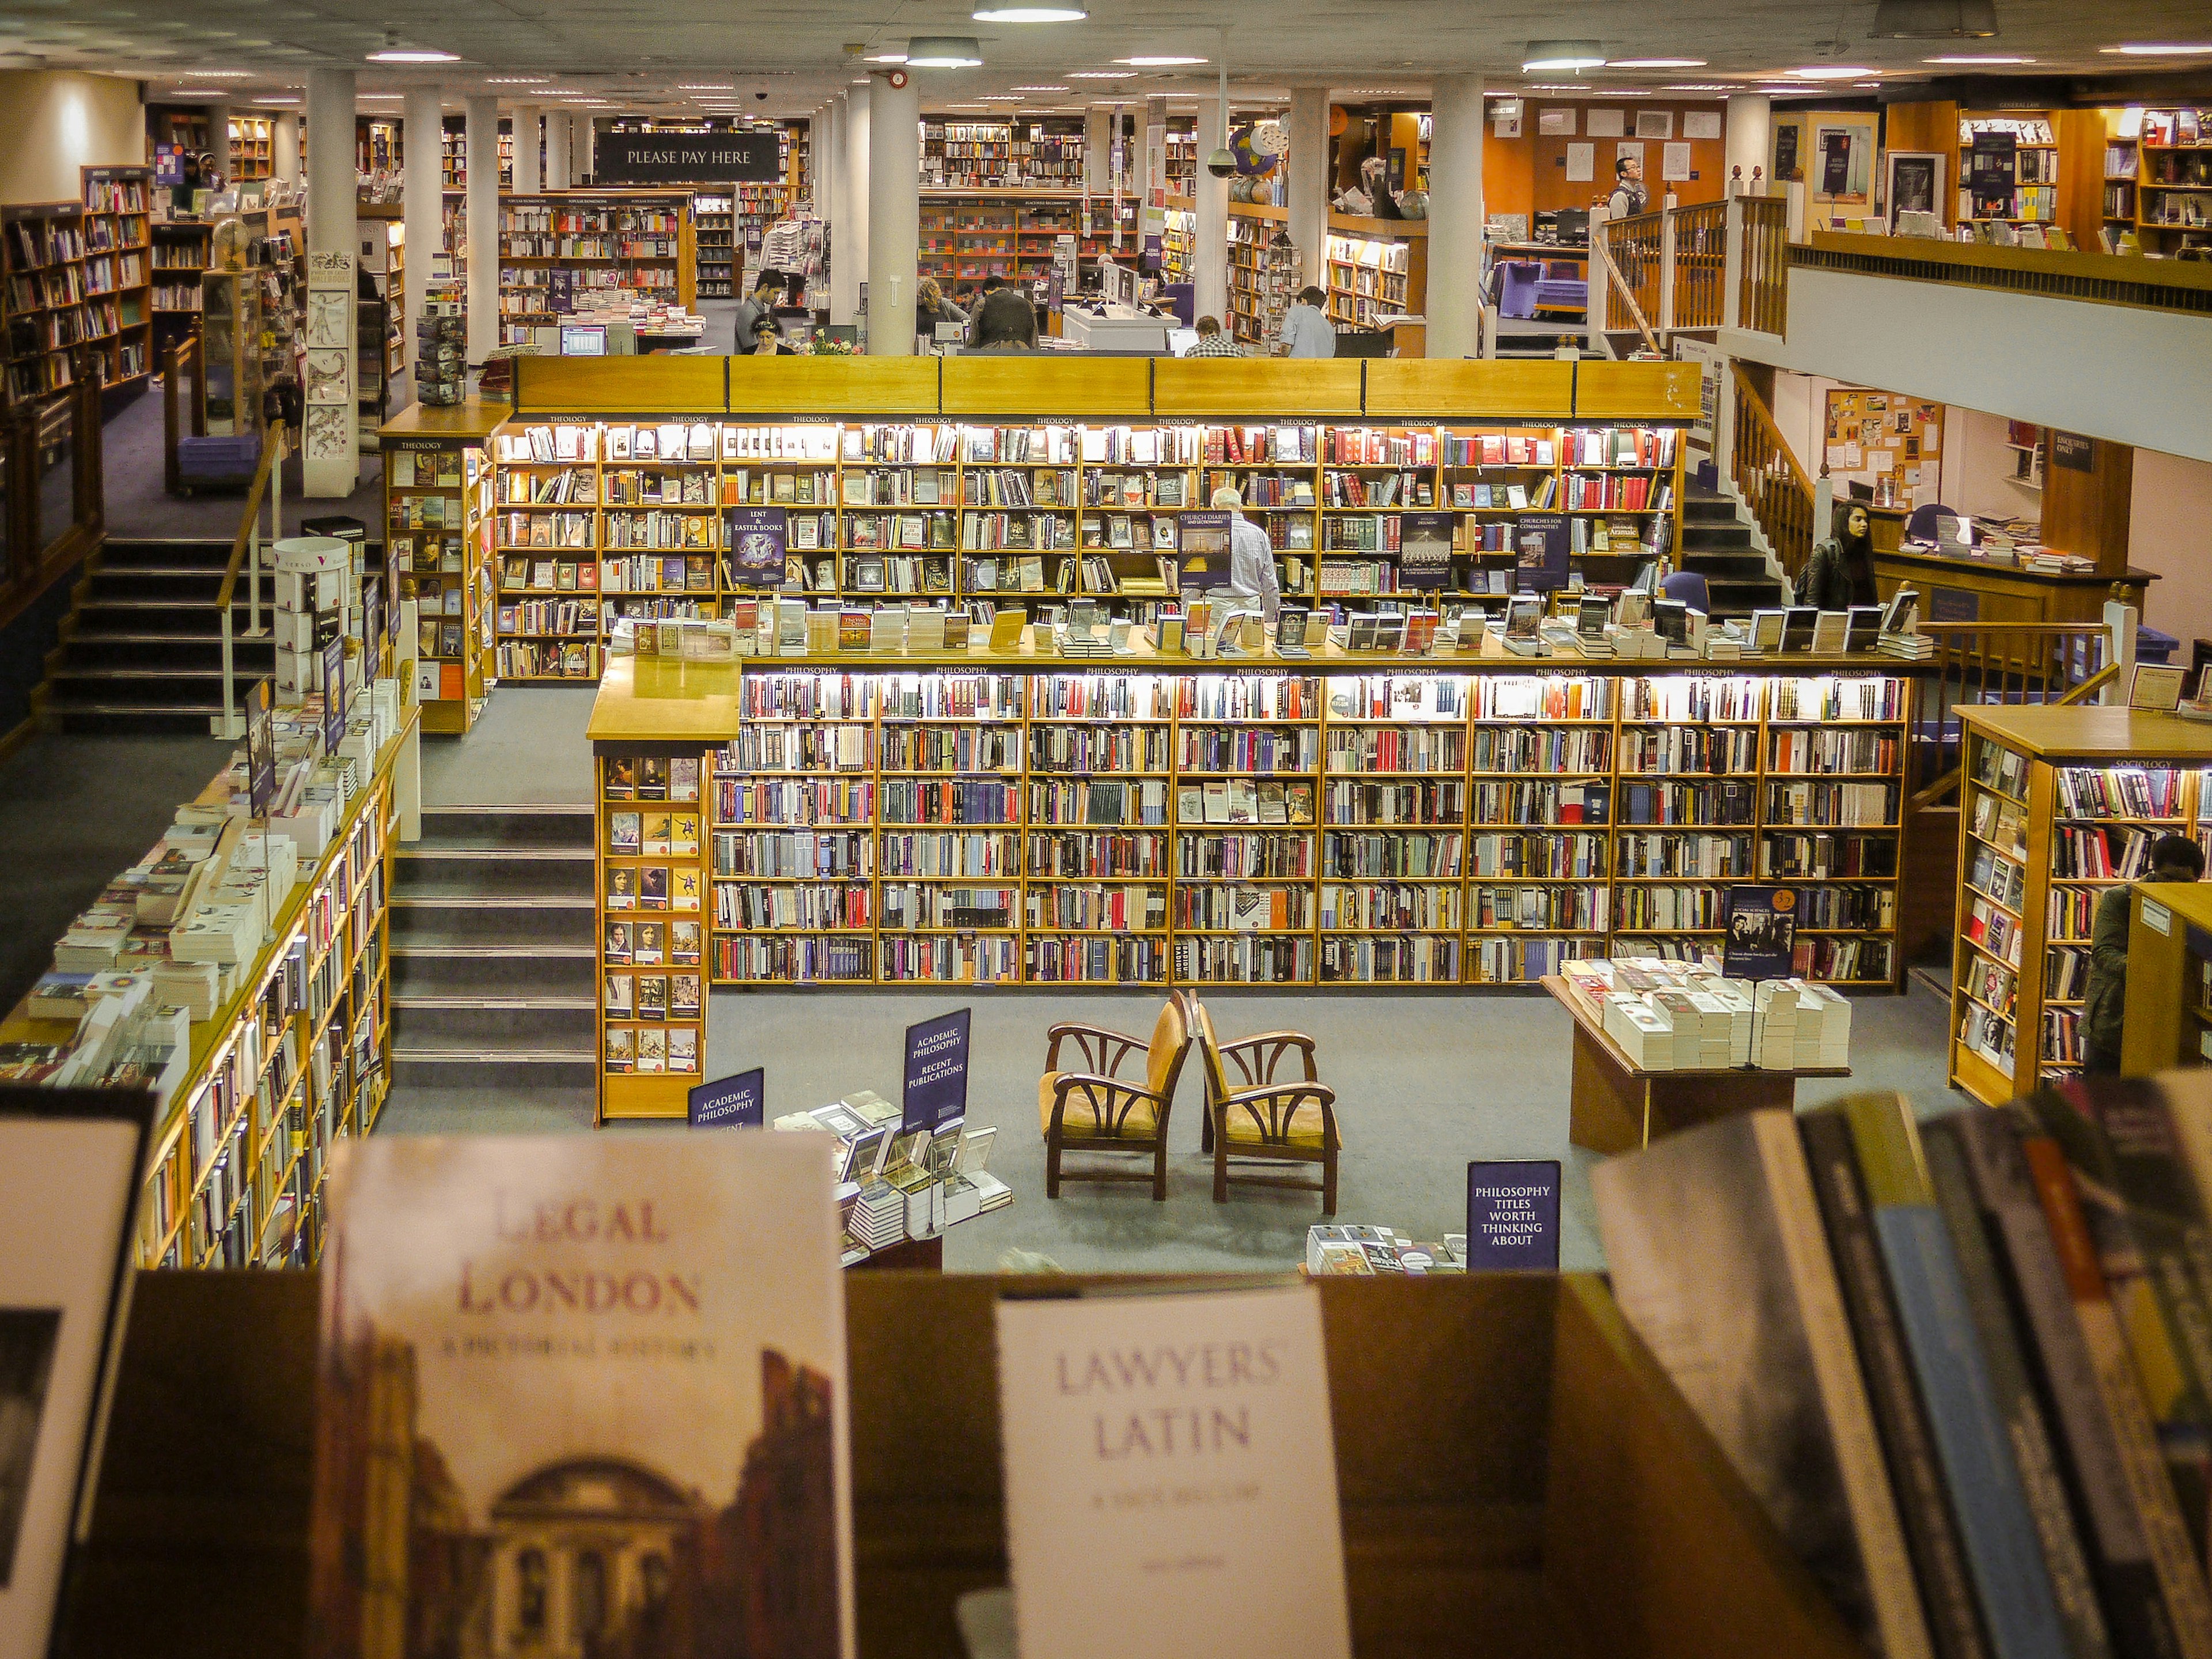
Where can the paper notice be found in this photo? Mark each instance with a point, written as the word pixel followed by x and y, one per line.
pixel 1582 163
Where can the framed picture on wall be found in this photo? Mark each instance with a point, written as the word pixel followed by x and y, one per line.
pixel 1912 183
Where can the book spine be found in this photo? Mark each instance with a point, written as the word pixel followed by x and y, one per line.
pixel 2142 1464
pixel 1936 1553
pixel 1897 1611
pixel 2021 1417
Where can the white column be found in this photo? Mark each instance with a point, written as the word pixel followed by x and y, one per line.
pixel 818 154
pixel 284 148
pixel 332 470
pixel 1453 304
pixel 482 226
pixel 1097 150
pixel 833 200
pixel 853 232
pixel 894 214
pixel 219 137
pixel 557 175
pixel 1209 256
pixel 420 195
pixel 1307 198
pixel 1746 144
pixel 527 179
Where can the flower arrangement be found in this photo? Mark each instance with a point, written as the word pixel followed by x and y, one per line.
pixel 823 346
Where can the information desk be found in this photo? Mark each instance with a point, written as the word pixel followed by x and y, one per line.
pixel 1618 1107
pixel 975 819
pixel 1965 590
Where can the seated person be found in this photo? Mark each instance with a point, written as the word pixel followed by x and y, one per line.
pixel 931 307
pixel 1214 341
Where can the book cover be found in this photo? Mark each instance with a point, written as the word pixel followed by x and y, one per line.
pixel 756 541
pixel 563 1405
pixel 1108 1403
pixel 1762 931
pixel 1994 1531
pixel 1714 1239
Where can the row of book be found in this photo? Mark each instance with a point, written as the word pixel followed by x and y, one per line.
pixel 1982 1425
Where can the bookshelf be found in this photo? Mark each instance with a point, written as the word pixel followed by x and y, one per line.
pixel 253 148
pixel 1026 514
pixel 179 255
pixel 1018 819
pixel 2058 805
pixel 438 527
pixel 651 887
pixel 2009 162
pixel 1259 289
pixel 1373 274
pixel 560 250
pixel 380 346
pixel 2169 1019
pixel 118 268
pixel 2174 188
pixel 967 235
pixel 717 267
pixel 49 318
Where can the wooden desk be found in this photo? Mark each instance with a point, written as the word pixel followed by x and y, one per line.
pixel 1976 591
pixel 1619 1107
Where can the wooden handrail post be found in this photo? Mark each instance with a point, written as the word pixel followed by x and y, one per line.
pixel 1732 269
pixel 1667 269
pixel 172 356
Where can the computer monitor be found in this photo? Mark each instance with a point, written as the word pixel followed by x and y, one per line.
pixel 583 339
pixel 847 332
pixel 1181 340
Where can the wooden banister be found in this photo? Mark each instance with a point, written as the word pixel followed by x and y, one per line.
pixel 1768 478
pixel 272 454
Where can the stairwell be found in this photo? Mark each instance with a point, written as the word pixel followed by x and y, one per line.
pixel 1717 544
pixel 494 946
pixel 141 650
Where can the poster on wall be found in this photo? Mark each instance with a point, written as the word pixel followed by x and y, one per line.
pixel 1556 123
pixel 1655 124
pixel 1788 167
pixel 1582 163
pixel 1914 183
pixel 1674 162
pixel 1701 123
pixel 1869 435
pixel 1606 124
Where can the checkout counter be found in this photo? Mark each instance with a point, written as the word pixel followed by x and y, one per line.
pixel 1960 587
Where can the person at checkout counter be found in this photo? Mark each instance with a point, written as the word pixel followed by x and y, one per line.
pixel 2105 1009
pixel 1252 581
pixel 1005 322
pixel 1307 332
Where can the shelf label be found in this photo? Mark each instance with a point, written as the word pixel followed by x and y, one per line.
pixel 730 1103
pixel 935 1089
pixel 2158 918
pixel 1513 1215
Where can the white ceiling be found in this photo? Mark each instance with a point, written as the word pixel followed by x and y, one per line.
pixel 639 54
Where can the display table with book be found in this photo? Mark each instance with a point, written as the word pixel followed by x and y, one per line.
pixel 1619 1104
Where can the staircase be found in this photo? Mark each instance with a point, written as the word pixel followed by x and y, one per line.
pixel 1716 543
pixel 142 648
pixel 495 948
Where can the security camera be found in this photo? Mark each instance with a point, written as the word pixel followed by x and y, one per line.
pixel 1221 164
pixel 761 95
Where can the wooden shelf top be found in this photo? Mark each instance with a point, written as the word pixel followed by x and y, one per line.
pixel 2189 900
pixel 663 700
pixel 2094 733
pixel 1950 566
pixel 472 419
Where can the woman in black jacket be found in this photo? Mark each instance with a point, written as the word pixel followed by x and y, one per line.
pixel 1840 573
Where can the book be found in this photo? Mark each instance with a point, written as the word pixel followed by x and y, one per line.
pixel 1995 1530
pixel 1713 1239
pixel 1105 1397
pixel 494 1312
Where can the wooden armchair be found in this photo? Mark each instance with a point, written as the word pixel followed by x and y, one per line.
pixel 1261 1116
pixel 1096 1110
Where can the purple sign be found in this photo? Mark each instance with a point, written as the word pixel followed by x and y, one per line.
pixel 730 1103
pixel 1541 552
pixel 334 695
pixel 1513 1215
pixel 936 1077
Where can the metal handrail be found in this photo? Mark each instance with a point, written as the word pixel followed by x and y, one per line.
pixel 245 553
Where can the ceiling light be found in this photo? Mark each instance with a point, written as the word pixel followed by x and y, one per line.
pixel 1700 87
pixel 1545 55
pixel 1159 63
pixel 2156 49
pixel 276 100
pixel 1100 75
pixel 1935 20
pixel 1830 72
pixel 1966 61
pixel 210 75
pixel 687 86
pixel 943 52
pixel 516 79
pixel 1040 89
pixel 885 58
pixel 1656 62
pixel 410 55
pixel 991 13
pixel 1002 98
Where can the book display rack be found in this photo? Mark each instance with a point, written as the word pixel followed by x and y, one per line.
pixel 1005 154
pixel 179 255
pixel 969 234
pixel 381 341
pixel 561 251
pixel 438 538
pixel 1005 818
pixel 1258 288
pixel 48 315
pixel 253 148
pixel 653 923
pixel 1372 275
pixel 2174 180
pixel 2169 1017
pixel 118 268
pixel 603 510
pixel 2058 805
pixel 714 229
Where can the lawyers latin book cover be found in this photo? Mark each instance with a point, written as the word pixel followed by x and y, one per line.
pixel 581 1397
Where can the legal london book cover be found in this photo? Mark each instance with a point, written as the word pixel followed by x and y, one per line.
pixel 581 1400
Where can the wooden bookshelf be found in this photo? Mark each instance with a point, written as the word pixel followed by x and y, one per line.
pixel 435 468
pixel 253 148
pixel 381 342
pixel 2169 1017
pixel 968 235
pixel 652 893
pixel 49 319
pixel 638 243
pixel 1376 268
pixel 1347 822
pixel 118 266
pixel 2174 183
pixel 2043 790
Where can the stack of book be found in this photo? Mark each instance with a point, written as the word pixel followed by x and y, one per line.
pixel 1959 1362
pixel 1364 1251
pixel 1798 1025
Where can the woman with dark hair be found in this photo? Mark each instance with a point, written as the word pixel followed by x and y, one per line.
pixel 1840 573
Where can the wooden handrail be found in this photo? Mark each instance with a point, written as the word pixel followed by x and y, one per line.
pixel 1764 417
pixel 1603 254
pixel 272 453
pixel 1769 480
pixel 2023 660
pixel 2096 682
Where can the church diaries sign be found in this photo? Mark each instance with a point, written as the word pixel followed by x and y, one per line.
pixel 688 158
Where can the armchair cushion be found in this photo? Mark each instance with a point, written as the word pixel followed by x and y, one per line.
pixel 1082 1117
pixel 1307 1128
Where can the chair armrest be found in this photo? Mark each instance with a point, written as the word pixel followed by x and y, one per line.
pixel 1116 1098
pixel 1102 1050
pixel 1273 1107
pixel 1257 1058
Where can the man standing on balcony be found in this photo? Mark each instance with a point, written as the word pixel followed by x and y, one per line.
pixel 1628 196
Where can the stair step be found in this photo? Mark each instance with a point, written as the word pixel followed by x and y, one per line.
pixel 536 975
pixel 534 924
pixel 95 720
pixel 121 554
pixel 533 1073
pixel 496 1024
pixel 555 825
pixel 479 872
